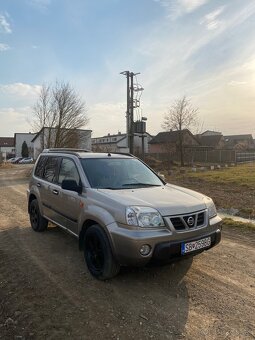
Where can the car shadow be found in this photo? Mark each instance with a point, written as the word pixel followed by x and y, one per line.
pixel 47 270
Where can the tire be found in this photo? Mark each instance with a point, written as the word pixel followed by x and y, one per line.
pixel 98 254
pixel 37 221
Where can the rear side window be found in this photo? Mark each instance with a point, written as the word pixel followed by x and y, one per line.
pixel 51 169
pixel 68 170
pixel 40 166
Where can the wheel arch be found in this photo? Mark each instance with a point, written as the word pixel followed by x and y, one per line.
pixel 88 223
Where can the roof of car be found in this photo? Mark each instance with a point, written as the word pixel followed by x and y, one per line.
pixel 87 154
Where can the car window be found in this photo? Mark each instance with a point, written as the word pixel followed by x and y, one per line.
pixel 50 169
pixel 68 170
pixel 113 173
pixel 40 166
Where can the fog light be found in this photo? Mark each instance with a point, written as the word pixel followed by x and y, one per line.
pixel 145 249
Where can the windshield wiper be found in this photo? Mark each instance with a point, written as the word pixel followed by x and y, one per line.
pixel 110 188
pixel 141 184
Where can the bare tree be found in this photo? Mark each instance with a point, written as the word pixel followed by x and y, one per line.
pixel 62 112
pixel 180 116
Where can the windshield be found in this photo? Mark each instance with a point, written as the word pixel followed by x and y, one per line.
pixel 112 173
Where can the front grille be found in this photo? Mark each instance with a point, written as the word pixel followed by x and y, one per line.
pixel 200 219
pixel 177 223
pixel 187 222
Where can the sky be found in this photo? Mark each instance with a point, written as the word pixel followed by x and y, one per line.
pixel 203 49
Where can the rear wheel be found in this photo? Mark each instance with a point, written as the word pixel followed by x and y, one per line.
pixel 38 222
pixel 98 254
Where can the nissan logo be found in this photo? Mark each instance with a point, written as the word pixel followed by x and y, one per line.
pixel 190 221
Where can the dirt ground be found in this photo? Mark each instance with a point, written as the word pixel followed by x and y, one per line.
pixel 46 291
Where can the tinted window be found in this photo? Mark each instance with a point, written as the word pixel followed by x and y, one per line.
pixel 50 169
pixel 119 173
pixel 68 170
pixel 40 166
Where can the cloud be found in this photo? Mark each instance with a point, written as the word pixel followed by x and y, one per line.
pixel 5 26
pixel 4 47
pixel 40 4
pixel 16 118
pixel 177 8
pixel 211 20
pixel 20 89
pixel 237 83
pixel 113 113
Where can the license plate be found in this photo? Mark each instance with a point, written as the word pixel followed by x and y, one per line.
pixel 195 245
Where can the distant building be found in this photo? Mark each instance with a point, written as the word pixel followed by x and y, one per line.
pixel 211 133
pixel 19 139
pixel 239 142
pixel 76 138
pixel 118 143
pixel 7 148
pixel 211 141
pixel 165 142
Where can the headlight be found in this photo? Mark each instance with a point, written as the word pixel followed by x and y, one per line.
pixel 211 208
pixel 144 217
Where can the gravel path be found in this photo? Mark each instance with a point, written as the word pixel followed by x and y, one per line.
pixel 46 291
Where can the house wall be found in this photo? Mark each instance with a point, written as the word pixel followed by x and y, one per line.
pixel 162 148
pixel 19 139
pixel 6 152
pixel 7 149
pixel 170 147
pixel 118 143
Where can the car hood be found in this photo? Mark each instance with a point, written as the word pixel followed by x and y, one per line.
pixel 167 199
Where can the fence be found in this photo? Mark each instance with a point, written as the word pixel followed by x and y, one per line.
pixel 242 157
pixel 207 156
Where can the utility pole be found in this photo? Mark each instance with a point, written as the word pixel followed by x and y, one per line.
pixel 130 109
pixel 127 74
pixel 131 128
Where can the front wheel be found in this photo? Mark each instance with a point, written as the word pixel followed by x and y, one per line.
pixel 98 254
pixel 38 222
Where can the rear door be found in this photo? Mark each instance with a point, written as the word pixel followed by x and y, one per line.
pixel 67 203
pixel 49 187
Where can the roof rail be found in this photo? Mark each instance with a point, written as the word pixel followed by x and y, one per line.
pixel 65 150
pixel 121 153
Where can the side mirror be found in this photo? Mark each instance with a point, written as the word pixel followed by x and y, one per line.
pixel 71 185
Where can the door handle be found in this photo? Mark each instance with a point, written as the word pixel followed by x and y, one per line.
pixel 55 192
pixel 39 185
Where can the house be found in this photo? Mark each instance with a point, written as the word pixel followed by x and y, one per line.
pixel 7 148
pixel 239 142
pixel 74 138
pixel 165 142
pixel 19 139
pixel 119 143
pixel 211 133
pixel 210 141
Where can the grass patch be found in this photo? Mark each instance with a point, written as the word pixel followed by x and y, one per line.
pixel 6 166
pixel 241 175
pixel 228 222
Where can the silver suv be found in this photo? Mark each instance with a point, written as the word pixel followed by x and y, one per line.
pixel 121 211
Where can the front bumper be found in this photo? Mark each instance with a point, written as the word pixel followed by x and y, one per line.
pixel 170 251
pixel 165 245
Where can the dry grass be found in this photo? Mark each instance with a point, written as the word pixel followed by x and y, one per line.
pixel 240 175
pixel 6 166
pixel 228 222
